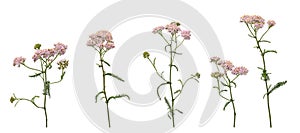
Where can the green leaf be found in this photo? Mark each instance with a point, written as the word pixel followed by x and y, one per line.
pixel 157 89
pixel 270 51
pixel 179 111
pixel 106 62
pixel 115 76
pixel 167 47
pixel 178 91
pixel 154 60
pixel 176 53
pixel 180 82
pixel 265 41
pixel 279 84
pixel 98 65
pixel 233 84
pixel 35 75
pixel 167 102
pixel 96 97
pixel 175 67
pixel 62 75
pixel 260 68
pixel 226 105
pixel 250 36
pixel 118 96
pixel 224 84
pixel 223 91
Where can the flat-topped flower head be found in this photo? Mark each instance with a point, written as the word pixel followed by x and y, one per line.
pixel 173 28
pixel 60 48
pixel 18 61
pixel 240 71
pixel 158 29
pixel 101 39
pixel 186 34
pixel 227 65
pixel 271 23
pixel 257 21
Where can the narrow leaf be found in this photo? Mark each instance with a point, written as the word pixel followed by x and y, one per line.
pixel 279 84
pixel 178 91
pixel 167 102
pixel 265 41
pixel 96 97
pixel 106 62
pixel 115 76
pixel 226 105
pixel 175 67
pixel 179 111
pixel 157 89
pixel 35 75
pixel 118 96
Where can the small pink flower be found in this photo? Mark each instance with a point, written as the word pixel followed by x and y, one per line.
pixel 227 65
pixel 158 29
pixel 109 45
pixel 18 61
pixel 258 25
pixel 186 34
pixel 100 39
pixel 60 48
pixel 240 71
pixel 37 55
pixel 215 59
pixel 173 28
pixel 246 19
pixel 271 23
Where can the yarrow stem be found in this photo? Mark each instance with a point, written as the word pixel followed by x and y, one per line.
pixel 223 78
pixel 46 58
pixel 102 42
pixel 251 22
pixel 171 47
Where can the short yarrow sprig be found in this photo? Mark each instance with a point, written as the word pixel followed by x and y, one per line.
pixel 226 76
pixel 255 25
pixel 102 42
pixel 174 39
pixel 46 58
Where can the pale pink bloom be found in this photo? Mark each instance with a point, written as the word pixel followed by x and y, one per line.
pixel 239 71
pixel 257 19
pixel 227 65
pixel 186 34
pixel 60 48
pixel 215 59
pixel 271 23
pixel 109 45
pixel 258 25
pixel 37 55
pixel 18 61
pixel 100 39
pixel 173 28
pixel 246 19
pixel 158 29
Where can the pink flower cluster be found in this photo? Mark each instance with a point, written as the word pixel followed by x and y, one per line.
pixel 18 61
pixel 239 71
pixel 257 21
pixel 228 66
pixel 59 49
pixel 173 28
pixel 101 39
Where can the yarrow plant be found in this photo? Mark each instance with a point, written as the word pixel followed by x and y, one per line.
pixel 102 42
pixel 46 58
pixel 255 24
pixel 222 75
pixel 176 39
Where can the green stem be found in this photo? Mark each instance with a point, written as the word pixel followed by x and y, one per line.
pixel 45 110
pixel 46 92
pixel 104 87
pixel 232 100
pixel 171 89
pixel 265 80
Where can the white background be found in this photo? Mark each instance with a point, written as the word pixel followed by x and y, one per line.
pixel 24 23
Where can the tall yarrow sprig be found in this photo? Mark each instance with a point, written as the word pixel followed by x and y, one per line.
pixel 223 76
pixel 255 26
pixel 174 40
pixel 102 42
pixel 46 58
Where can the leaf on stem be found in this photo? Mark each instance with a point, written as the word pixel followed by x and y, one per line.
pixel 265 41
pixel 118 96
pixel 179 111
pixel 250 36
pixel 226 104
pixel 167 102
pixel 167 47
pixel 224 84
pixel 279 84
pixel 175 67
pixel 115 76
pixel 35 75
pixel 178 91
pixel 106 62
pixel 96 97
pixel 270 51
pixel 157 89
